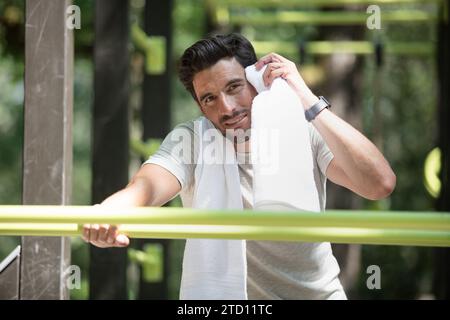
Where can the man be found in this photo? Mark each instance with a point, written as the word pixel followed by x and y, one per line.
pixel 212 70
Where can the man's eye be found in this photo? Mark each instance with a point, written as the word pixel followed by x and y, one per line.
pixel 208 99
pixel 233 87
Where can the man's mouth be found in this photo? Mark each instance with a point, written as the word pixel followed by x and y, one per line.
pixel 236 121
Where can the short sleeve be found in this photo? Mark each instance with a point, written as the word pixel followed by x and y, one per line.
pixel 176 153
pixel 321 152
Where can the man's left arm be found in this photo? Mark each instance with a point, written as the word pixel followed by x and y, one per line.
pixel 357 164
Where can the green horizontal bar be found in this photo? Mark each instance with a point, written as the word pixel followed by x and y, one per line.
pixel 315 3
pixel 181 216
pixel 272 233
pixel 350 47
pixel 328 18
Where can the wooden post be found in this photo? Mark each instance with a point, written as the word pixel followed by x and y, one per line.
pixel 156 120
pixel 47 155
pixel 111 137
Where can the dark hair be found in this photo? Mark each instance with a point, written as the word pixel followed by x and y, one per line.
pixel 207 52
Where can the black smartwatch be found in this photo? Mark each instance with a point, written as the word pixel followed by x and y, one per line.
pixel 312 112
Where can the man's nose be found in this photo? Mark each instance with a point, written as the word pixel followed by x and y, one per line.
pixel 226 105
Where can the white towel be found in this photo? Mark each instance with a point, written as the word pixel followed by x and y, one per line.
pixel 287 182
pixel 215 269
pixel 282 167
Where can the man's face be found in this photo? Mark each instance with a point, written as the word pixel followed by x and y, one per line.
pixel 224 95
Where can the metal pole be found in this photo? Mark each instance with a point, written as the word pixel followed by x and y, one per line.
pixel 47 155
pixel 111 137
pixel 156 116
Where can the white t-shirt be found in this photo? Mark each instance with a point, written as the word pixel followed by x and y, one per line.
pixel 275 269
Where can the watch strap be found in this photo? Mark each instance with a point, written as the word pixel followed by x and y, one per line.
pixel 312 112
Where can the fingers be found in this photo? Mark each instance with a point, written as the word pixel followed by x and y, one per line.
pixel 86 232
pixel 104 236
pixel 122 240
pixel 111 235
pixel 271 57
pixel 273 70
pixel 93 233
pixel 103 231
pixel 275 74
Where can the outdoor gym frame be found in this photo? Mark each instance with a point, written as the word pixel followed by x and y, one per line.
pixel 48 159
pixel 365 227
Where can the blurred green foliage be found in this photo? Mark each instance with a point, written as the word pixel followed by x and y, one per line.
pixel 408 108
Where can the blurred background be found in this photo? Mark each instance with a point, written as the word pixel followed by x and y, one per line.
pixel 384 81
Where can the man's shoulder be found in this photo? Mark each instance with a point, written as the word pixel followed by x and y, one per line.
pixel 184 138
pixel 190 125
pixel 195 128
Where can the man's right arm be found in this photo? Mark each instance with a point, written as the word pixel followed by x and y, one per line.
pixel 152 186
